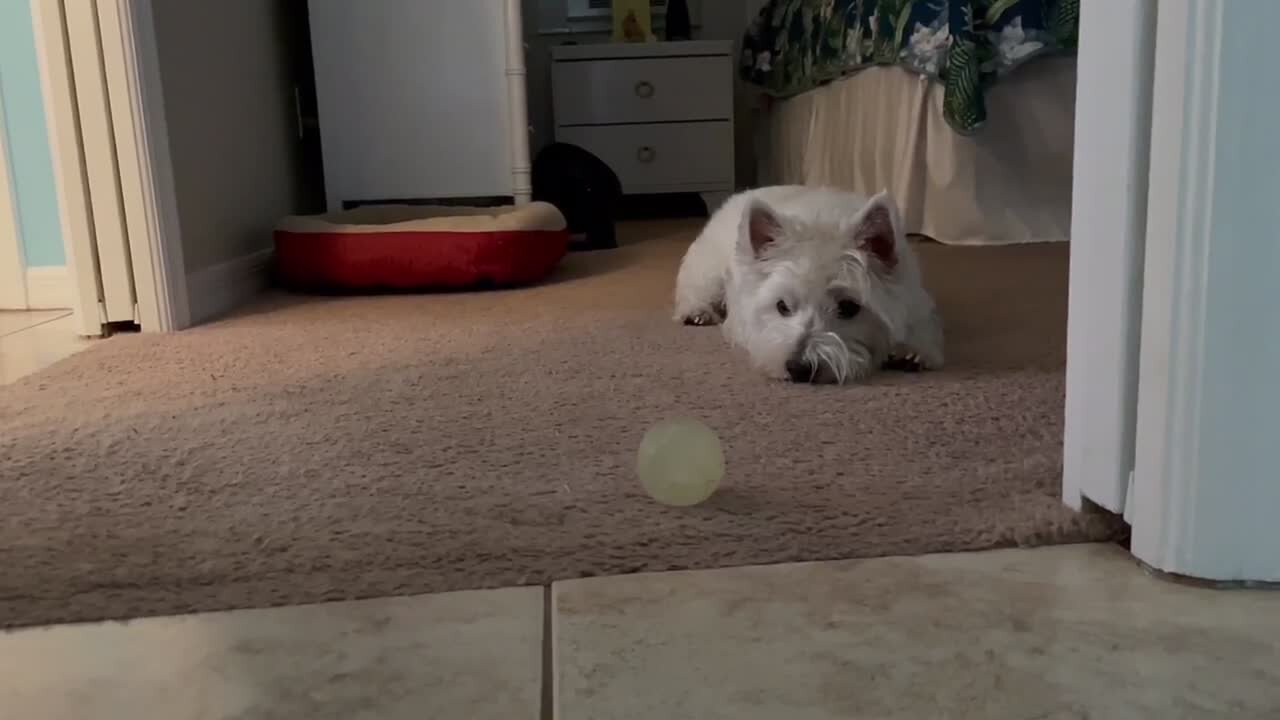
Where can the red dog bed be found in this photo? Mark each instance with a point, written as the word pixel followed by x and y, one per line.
pixel 406 247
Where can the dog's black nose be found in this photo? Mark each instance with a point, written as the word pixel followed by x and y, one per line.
pixel 800 370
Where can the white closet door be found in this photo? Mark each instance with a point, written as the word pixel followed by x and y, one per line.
pixel 109 155
pixel 82 136
pixel 97 136
pixel 58 89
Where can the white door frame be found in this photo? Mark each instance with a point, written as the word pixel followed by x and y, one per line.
pixel 13 271
pixel 1131 231
pixel 1166 473
pixel 1204 501
pixel 1134 245
pixel 1144 222
pixel 1108 231
pixel 158 260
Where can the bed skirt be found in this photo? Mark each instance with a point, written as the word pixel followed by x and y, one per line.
pixel 883 129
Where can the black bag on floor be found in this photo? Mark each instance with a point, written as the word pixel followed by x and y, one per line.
pixel 583 188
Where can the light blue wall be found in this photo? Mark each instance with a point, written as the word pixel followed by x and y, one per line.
pixel 26 139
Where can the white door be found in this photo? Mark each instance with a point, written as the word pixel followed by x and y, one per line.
pixel 1108 219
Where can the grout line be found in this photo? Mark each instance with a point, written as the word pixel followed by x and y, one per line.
pixel 36 325
pixel 548 659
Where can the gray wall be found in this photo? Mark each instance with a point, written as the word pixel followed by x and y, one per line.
pixel 226 72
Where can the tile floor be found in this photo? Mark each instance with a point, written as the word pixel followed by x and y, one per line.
pixel 31 340
pixel 473 655
pixel 1066 632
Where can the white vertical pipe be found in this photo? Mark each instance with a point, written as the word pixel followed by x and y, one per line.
pixel 517 102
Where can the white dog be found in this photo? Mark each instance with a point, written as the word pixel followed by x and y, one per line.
pixel 815 284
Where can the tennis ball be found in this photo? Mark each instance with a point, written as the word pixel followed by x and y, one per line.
pixel 680 462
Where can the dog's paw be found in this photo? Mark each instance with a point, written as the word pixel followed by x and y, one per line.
pixel 905 362
pixel 702 319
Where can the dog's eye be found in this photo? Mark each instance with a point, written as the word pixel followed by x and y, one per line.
pixel 846 309
pixel 783 310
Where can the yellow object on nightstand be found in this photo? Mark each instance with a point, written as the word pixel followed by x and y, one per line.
pixel 632 21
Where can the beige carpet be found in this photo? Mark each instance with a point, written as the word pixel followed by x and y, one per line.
pixel 328 448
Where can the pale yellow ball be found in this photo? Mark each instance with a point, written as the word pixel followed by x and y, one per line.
pixel 680 462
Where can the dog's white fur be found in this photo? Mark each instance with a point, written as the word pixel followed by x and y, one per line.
pixel 774 265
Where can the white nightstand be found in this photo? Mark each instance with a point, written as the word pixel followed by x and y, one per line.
pixel 659 114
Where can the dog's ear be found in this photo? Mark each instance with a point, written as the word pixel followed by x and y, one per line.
pixel 761 228
pixel 876 229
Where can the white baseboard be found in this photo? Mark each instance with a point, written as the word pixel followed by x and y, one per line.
pixel 219 289
pixel 50 288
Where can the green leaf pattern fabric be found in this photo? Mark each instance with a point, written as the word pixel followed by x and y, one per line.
pixel 797 45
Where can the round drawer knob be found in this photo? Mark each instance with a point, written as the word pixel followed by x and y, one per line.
pixel 644 89
pixel 646 154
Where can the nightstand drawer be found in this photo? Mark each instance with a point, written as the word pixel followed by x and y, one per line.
pixel 590 92
pixel 664 157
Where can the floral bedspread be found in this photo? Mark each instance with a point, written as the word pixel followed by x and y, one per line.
pixel 796 45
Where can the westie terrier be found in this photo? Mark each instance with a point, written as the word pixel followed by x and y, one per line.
pixel 814 284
